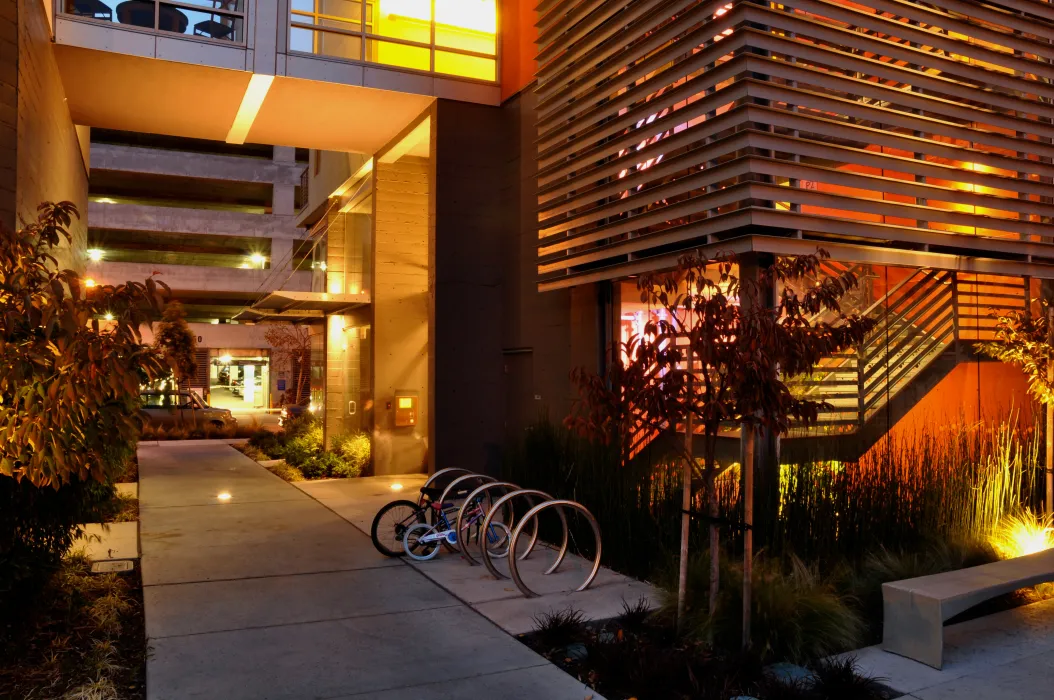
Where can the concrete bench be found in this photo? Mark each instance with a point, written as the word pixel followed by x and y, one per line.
pixel 914 610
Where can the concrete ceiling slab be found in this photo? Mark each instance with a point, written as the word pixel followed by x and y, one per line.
pixel 333 117
pixel 132 93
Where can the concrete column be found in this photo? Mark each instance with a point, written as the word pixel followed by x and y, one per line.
pixel 284 154
pixel 282 253
pixel 767 443
pixel 283 200
pixel 403 309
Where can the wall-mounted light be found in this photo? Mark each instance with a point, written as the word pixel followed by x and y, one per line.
pixel 89 283
pixel 95 254
pixel 257 259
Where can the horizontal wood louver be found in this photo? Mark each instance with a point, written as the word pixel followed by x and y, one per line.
pixel 668 124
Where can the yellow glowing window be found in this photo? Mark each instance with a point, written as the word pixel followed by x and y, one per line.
pixel 459 39
pixel 406 402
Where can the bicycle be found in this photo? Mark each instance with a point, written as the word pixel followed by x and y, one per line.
pixel 421 540
pixel 392 521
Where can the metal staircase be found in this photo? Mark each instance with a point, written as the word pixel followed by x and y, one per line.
pixel 926 324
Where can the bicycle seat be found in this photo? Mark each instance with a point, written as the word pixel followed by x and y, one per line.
pixel 430 493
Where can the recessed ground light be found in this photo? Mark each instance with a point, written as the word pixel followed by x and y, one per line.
pixel 95 254
pixel 225 496
pixel 397 487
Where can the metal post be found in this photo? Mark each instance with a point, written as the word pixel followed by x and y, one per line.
pixel 748 522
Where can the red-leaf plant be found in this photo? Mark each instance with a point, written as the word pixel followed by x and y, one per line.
pixel 740 351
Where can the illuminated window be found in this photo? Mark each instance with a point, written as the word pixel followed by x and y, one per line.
pixel 460 40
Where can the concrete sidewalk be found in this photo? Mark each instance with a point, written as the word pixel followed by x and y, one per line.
pixel 255 590
pixel 358 500
pixel 1005 656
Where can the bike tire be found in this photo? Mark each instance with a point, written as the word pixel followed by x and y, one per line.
pixel 382 538
pixel 416 550
pixel 499 545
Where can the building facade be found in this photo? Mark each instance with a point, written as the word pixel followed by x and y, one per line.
pixel 487 178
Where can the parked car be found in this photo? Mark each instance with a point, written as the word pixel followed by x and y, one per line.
pixel 183 408
pixel 291 412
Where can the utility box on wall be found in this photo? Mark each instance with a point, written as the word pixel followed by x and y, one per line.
pixel 405 410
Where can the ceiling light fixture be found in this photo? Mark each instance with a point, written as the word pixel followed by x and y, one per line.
pixel 252 100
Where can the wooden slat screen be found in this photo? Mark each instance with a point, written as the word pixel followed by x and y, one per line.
pixel 667 124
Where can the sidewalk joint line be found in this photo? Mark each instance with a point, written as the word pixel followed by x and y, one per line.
pixel 318 621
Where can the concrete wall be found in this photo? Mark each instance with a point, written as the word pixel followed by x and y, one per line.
pixel 402 310
pixel 503 351
pixel 536 327
pixel 471 141
pixel 40 155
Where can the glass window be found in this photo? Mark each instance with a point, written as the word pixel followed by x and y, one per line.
pixel 465 66
pixel 157 400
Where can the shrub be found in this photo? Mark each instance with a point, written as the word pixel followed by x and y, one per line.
pixel 1022 533
pixel 320 465
pixel 839 679
pixel 271 444
pixel 344 469
pixel 303 447
pixel 354 448
pixel 286 472
pixel 37 526
pixel 557 628
pixel 796 615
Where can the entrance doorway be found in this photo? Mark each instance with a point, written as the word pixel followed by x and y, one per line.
pixel 240 382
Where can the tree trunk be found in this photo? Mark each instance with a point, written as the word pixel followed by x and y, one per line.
pixel 686 521
pixel 715 544
pixel 1050 419
pixel 748 533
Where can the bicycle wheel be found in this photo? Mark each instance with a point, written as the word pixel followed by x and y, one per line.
pixel 390 525
pixel 498 537
pixel 417 550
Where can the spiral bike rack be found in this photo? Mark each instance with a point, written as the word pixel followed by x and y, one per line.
pixel 441 472
pixel 455 482
pixel 510 487
pixel 525 493
pixel 532 514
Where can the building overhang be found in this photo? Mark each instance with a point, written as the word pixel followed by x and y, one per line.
pixel 113 90
pixel 302 307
